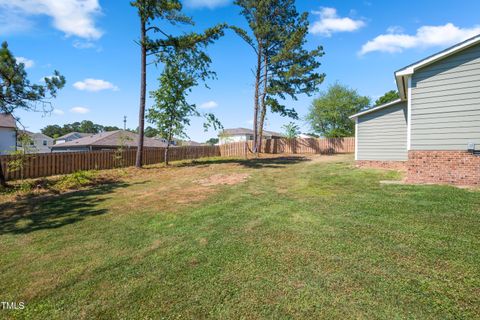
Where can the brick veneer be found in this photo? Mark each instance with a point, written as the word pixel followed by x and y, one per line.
pixel 394 165
pixel 444 167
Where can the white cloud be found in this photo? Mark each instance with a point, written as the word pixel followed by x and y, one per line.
pixel 83 44
pixel 27 62
pixel 58 112
pixel 426 36
pixel 80 110
pixel 13 22
pixel 209 105
pixel 330 23
pixel 73 17
pixel 395 29
pixel 95 85
pixel 211 4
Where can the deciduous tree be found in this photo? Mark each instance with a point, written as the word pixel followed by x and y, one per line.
pixel 86 126
pixel 151 132
pixel 212 141
pixel 390 96
pixel 183 70
pixel 329 113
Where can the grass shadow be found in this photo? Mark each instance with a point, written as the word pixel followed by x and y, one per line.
pixel 258 163
pixel 28 214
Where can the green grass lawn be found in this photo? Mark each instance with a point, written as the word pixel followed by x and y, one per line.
pixel 300 238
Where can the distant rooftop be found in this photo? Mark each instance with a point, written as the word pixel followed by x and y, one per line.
pixel 76 134
pixel 243 131
pixel 36 134
pixel 7 121
pixel 111 139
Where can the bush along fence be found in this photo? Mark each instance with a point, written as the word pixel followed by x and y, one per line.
pixel 49 164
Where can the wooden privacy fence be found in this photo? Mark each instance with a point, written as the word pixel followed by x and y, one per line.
pixel 49 164
pixel 310 146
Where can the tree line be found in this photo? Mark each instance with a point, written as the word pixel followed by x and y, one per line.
pixel 87 126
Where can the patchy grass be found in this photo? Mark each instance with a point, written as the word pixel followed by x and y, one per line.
pixel 59 184
pixel 302 237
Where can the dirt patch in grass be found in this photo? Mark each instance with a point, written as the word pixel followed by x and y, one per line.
pixel 223 179
pixel 192 194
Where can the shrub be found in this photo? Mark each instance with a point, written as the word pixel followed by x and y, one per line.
pixel 77 180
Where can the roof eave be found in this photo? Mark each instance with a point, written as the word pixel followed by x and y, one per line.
pixel 402 75
pixel 391 103
pixel 402 85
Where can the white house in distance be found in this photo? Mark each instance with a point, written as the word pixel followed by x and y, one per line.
pixel 40 143
pixel 433 130
pixel 8 134
pixel 243 135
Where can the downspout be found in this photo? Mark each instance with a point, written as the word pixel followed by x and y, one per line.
pixel 409 114
pixel 356 138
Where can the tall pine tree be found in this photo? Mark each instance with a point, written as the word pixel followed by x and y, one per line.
pixel 284 67
pixel 154 39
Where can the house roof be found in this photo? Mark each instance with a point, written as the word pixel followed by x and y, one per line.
pixel 7 121
pixel 401 76
pixel 111 139
pixel 243 131
pixel 376 108
pixel 37 135
pixel 76 134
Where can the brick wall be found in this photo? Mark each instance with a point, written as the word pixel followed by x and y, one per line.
pixel 443 167
pixel 393 165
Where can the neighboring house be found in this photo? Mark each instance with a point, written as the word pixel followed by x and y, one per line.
pixel 434 128
pixel 106 141
pixel 71 137
pixel 40 143
pixel 243 134
pixel 8 134
pixel 172 143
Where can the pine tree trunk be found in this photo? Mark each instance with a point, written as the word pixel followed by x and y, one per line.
pixel 143 90
pixel 3 181
pixel 260 127
pixel 166 153
pixel 256 102
pixel 263 107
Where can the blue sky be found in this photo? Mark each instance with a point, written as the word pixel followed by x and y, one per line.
pixel 91 42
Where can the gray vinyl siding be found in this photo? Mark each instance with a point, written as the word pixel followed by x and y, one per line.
pixel 446 103
pixel 382 134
